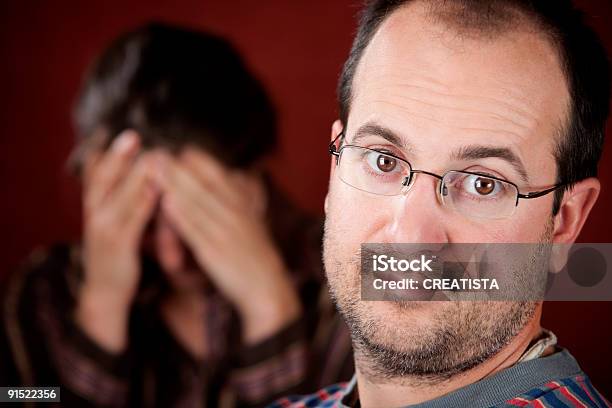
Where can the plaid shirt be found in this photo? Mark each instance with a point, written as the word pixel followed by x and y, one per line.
pixel 569 392
pixel 40 344
pixel 535 381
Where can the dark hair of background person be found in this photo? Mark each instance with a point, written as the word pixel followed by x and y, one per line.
pixel 177 87
pixel 583 59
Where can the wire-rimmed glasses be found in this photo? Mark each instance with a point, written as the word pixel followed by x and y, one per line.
pixel 473 194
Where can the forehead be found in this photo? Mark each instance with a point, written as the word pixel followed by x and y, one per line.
pixel 420 75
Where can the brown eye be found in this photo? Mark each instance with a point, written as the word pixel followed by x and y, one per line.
pixel 386 163
pixel 484 186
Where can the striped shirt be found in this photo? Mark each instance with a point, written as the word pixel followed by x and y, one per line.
pixel 552 381
pixel 41 344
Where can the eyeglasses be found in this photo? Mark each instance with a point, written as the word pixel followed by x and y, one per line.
pixel 473 194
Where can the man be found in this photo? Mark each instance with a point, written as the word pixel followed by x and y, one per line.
pixel 501 92
pixel 197 282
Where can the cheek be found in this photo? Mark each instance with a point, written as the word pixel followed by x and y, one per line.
pixel 531 222
pixel 352 215
pixel 525 226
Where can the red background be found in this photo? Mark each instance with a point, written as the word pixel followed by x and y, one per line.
pixel 297 48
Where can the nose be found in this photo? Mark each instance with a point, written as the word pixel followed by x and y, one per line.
pixel 417 215
pixel 168 246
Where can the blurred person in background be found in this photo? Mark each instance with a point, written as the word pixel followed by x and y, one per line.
pixel 197 283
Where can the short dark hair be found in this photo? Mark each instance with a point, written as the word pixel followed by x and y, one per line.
pixel 177 87
pixel 582 57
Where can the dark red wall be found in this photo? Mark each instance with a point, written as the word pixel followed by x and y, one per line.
pixel 296 47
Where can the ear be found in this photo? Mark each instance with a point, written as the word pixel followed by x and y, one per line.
pixel 336 129
pixel 575 208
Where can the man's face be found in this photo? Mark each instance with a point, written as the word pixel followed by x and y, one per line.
pixel 442 93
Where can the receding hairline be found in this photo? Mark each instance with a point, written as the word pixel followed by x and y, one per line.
pixel 505 19
pixel 479 20
pixel 473 20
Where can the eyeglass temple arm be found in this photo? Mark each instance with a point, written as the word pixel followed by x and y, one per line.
pixel 332 146
pixel 536 194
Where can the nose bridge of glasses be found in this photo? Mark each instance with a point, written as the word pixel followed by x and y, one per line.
pixel 410 179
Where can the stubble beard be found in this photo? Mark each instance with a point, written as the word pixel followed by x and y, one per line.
pixel 399 347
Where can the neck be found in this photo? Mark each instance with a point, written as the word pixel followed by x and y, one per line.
pixel 413 390
pixel 185 313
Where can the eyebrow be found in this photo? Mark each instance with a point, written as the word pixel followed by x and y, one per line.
pixel 374 129
pixel 475 152
pixel 472 152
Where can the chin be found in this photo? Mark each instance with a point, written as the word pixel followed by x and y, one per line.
pixel 397 322
pixel 404 313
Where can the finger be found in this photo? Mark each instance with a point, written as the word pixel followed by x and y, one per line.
pixel 142 210
pixel 212 173
pixel 137 186
pixel 253 194
pixel 198 231
pixel 180 182
pixel 111 167
pixel 193 235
